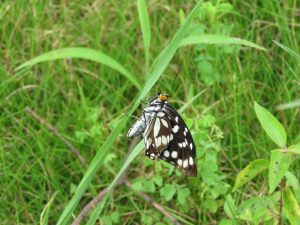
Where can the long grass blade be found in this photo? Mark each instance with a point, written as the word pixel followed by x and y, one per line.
pixel 83 53
pixel 146 31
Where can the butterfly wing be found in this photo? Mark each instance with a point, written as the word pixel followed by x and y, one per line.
pixel 181 151
pixel 157 135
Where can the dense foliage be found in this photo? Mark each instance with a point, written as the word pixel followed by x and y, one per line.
pixel 105 56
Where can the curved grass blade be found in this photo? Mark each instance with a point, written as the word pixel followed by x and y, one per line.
pixel 249 172
pixel 102 153
pixel 212 39
pixel 288 50
pixel 146 31
pixel 217 39
pixel 271 125
pixel 83 53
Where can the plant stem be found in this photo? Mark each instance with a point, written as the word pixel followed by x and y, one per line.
pixel 281 187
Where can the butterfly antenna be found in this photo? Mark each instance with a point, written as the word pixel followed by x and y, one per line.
pixel 173 84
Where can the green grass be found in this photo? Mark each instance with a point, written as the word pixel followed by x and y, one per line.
pixel 35 164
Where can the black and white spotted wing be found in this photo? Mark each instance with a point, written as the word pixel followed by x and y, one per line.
pixel 181 151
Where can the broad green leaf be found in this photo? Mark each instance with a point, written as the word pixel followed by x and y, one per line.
pixel 279 164
pixel 229 207
pixel 271 125
pixel 293 180
pixel 217 39
pixel 288 50
pixel 137 186
pixel 259 215
pixel 146 31
pixel 168 191
pixel 295 149
pixel 182 194
pixel 249 172
pixel 83 53
pixel 291 206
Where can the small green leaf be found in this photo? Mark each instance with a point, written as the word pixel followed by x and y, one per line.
pixel 158 181
pixel 115 216
pixel 271 125
pixel 291 206
pixel 229 207
pixel 249 172
pixel 279 164
pixel 182 194
pixel 106 220
pixel 168 191
pixel 137 186
pixel 295 149
pixel 292 179
pixel 212 205
pixel 226 222
pixel 149 185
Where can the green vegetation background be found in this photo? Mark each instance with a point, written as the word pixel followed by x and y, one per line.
pixel 34 164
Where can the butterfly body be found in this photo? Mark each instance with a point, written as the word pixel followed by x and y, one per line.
pixel 166 135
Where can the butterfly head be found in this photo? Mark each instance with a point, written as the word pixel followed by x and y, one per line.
pixel 163 97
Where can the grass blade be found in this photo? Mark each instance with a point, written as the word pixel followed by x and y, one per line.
pixel 288 50
pixel 217 39
pixel 146 31
pixel 83 53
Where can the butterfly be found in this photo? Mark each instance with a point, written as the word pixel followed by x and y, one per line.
pixel 166 135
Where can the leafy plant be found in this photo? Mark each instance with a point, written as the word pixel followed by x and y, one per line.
pixel 280 204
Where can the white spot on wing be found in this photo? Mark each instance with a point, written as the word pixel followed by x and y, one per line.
pixel 166 153
pixel 149 140
pixel 184 133
pixel 186 130
pixel 191 145
pixel 184 144
pixel 156 127
pixel 180 145
pixel 164 140
pixel 158 141
pixel 191 161
pixel 164 123
pixel 175 129
pixel 174 154
pixel 160 114
pixel 176 119
pixel 179 162
pixel 152 156
pixel 171 138
pixel 185 163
